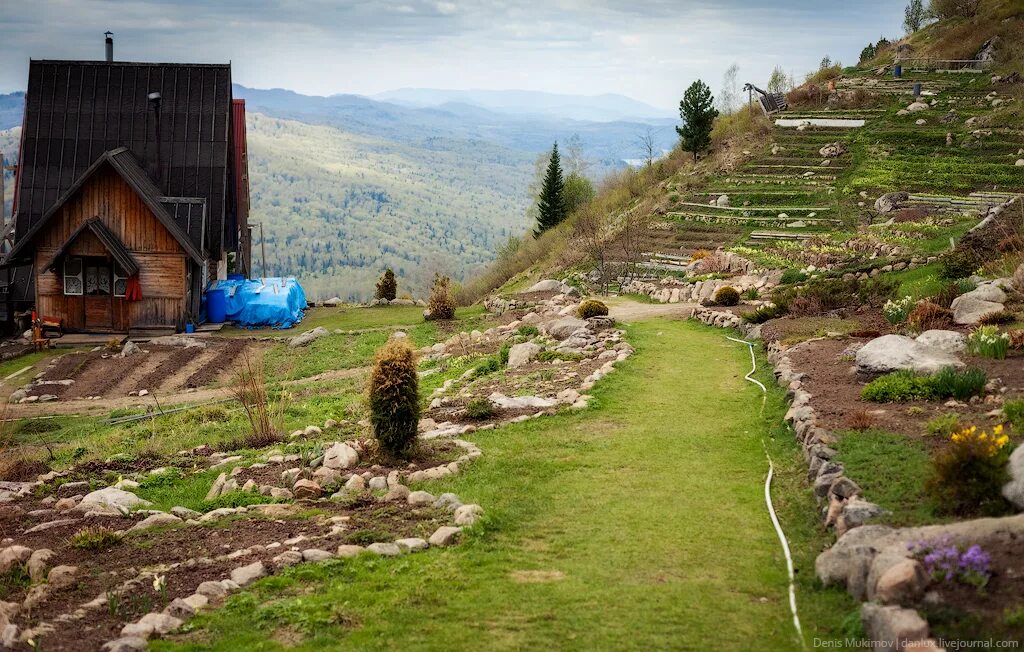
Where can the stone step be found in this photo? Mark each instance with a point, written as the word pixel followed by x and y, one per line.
pixel 762 209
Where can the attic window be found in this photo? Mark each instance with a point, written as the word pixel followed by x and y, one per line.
pixel 73 276
pixel 120 281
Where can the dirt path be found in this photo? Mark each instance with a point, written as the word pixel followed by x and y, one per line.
pixel 628 310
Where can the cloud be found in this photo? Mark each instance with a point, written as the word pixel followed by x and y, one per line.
pixel 649 49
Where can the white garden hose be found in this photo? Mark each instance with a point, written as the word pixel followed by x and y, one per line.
pixel 768 496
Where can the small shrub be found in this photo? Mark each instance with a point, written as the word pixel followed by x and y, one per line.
pixel 15 579
pixel 860 420
pixel 750 294
pixel 791 276
pixel 441 304
pixel 952 290
pixel 805 307
pixel 480 408
pixel 988 342
pixel 503 354
pixel 1016 339
pixel 393 396
pixel 489 365
pixel 167 478
pixel 961 385
pixel 906 386
pixel 528 331
pixel 1013 410
pixel 592 308
pixel 958 263
pixel 548 356
pixel 95 537
pixel 1000 317
pixel 266 417
pixel 727 296
pixel 896 311
pixel 943 425
pixel 700 254
pixel 366 537
pixel 968 475
pixel 948 563
pixel 896 387
pixel 764 313
pixel 387 286
pixel 236 499
pixel 927 316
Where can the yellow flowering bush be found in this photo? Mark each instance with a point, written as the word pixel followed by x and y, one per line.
pixel 968 474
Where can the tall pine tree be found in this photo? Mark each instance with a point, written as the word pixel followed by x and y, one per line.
pixel 697 109
pixel 551 202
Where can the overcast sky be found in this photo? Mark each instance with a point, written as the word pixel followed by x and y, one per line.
pixel 647 49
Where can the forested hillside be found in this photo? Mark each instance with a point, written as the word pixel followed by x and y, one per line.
pixel 339 207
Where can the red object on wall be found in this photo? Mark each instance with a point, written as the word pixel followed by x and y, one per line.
pixel 133 290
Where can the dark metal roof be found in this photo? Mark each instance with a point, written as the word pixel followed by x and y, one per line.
pixel 77 110
pixel 189 213
pixel 110 242
pixel 124 163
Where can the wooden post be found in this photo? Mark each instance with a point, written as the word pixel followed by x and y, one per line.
pixel 263 252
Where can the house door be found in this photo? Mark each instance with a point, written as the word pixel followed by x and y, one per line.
pixel 99 314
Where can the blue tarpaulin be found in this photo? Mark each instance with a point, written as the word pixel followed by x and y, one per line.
pixel 275 302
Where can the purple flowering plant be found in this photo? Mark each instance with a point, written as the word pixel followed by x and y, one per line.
pixel 945 561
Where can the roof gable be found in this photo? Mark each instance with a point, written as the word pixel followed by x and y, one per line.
pixel 107 238
pixel 122 161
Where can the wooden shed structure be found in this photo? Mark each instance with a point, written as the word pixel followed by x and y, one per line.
pixel 131 193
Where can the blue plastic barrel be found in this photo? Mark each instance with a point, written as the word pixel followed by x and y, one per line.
pixel 236 277
pixel 216 306
pixel 897 71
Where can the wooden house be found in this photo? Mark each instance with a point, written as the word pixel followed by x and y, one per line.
pixel 131 193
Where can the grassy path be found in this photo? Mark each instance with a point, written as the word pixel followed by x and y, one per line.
pixel 638 524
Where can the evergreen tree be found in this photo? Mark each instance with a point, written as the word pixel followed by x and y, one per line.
pixel 387 286
pixel 551 203
pixel 697 109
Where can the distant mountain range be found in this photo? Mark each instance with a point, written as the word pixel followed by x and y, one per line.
pixel 426 181
pixel 589 108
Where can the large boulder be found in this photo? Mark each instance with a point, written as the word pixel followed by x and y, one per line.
pixel 522 354
pixel 969 310
pixel 340 456
pixel 948 341
pixel 833 150
pixel 548 285
pixel 565 327
pixel 1013 490
pixel 894 352
pixel 111 500
pixel 891 201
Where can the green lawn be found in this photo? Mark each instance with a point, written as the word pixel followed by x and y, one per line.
pixel 636 524
pixel 352 318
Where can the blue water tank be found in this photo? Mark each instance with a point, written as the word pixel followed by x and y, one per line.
pixel 236 277
pixel 216 306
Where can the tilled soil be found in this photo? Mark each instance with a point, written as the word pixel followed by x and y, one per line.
pixel 836 390
pixel 195 548
pixel 160 369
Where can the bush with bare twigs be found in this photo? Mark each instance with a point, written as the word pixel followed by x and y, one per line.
pixel 393 397
pixel 266 416
pixel 927 316
pixel 441 304
pixel 860 420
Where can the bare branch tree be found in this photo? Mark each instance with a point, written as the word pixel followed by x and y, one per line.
pixel 591 232
pixel 635 224
pixel 647 146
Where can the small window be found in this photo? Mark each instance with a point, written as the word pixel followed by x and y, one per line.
pixel 73 276
pixel 120 281
pixel 97 279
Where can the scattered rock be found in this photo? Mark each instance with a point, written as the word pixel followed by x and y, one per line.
pixel 307 489
pixel 893 352
pixel 340 456
pixel 245 575
pixel 347 551
pixel 948 341
pixel 891 201
pixel 156 520
pixel 445 535
pixel 420 499
pixel 522 354
pixel 308 337
pixel 384 549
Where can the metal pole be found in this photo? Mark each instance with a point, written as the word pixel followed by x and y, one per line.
pixel 263 251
